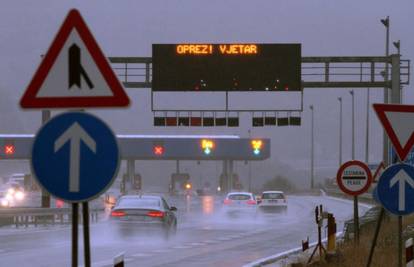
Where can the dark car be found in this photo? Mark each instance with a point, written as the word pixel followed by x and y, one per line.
pixel 144 213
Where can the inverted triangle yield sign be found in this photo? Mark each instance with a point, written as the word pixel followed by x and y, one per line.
pixel 74 72
pixel 398 122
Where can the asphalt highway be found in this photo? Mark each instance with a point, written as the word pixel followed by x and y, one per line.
pixel 205 237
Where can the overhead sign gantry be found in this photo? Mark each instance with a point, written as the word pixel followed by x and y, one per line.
pixel 161 147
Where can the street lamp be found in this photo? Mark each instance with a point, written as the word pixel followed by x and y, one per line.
pixel 312 149
pixel 386 23
pixel 367 130
pixel 353 123
pixel 340 131
pixel 397 45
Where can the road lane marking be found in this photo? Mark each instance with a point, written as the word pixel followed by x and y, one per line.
pixel 138 255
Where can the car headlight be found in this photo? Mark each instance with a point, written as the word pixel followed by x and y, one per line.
pixel 4 202
pixel 10 191
pixel 19 195
pixel 9 197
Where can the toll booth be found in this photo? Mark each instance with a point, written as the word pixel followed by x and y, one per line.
pixel 128 185
pixel 224 182
pixel 178 181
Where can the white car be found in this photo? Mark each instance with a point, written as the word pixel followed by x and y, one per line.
pixel 240 203
pixel 273 201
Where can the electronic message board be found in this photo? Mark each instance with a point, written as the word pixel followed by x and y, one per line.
pixel 226 67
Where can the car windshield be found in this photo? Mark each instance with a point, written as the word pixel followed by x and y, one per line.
pixel 273 196
pixel 139 203
pixel 239 197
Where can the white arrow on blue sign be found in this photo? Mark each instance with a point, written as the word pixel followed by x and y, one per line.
pixel 395 189
pixel 75 156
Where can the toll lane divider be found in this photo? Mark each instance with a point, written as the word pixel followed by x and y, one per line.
pixel 273 258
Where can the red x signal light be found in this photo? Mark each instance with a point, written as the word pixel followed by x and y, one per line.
pixel 158 150
pixel 9 149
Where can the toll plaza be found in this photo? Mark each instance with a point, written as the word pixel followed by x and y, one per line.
pixel 225 148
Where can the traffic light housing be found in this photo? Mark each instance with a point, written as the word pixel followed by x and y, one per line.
pixel 207 146
pixel 257 146
pixel 137 182
pixel 9 150
pixel 158 149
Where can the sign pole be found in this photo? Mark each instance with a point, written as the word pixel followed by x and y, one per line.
pixel 86 239
pixel 75 211
pixel 374 242
pixel 356 221
pixel 399 241
pixel 354 178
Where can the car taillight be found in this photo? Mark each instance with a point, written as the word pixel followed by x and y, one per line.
pixel 158 214
pixel 251 202
pixel 227 201
pixel 117 213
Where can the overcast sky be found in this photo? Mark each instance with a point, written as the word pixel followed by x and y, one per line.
pixel 129 28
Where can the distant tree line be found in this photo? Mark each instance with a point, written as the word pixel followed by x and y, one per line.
pixel 279 182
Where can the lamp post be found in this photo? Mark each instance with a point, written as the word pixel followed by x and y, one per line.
pixel 340 131
pixel 356 213
pixel 386 23
pixel 312 148
pixel 397 45
pixel 353 123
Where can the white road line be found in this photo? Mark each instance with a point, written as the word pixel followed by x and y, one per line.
pixel 224 238
pixel 180 247
pixel 160 250
pixel 141 255
pixel 196 244
pixel 211 241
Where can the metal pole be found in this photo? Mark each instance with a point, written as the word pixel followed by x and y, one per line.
pixel 86 239
pixel 45 199
pixel 400 251
pixel 356 212
pixel 353 124
pixel 367 130
pixel 75 211
pixel 250 167
pixel 395 99
pixel 356 220
pixel 231 182
pixel 340 131
pixel 386 23
pixel 177 166
pixel 374 242
pixel 312 148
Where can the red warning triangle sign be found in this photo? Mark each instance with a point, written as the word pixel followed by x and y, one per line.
pixel 398 123
pixel 74 72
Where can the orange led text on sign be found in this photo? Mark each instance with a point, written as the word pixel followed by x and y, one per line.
pixel 238 49
pixel 224 49
pixel 195 49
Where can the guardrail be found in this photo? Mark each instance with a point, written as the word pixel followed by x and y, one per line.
pixel 366 196
pixel 36 216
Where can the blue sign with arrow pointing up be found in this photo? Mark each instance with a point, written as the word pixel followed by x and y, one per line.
pixel 395 189
pixel 75 157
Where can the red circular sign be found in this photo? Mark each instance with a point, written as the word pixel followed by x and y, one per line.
pixel 354 177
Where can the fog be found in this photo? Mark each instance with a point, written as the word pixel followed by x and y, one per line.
pixel 129 28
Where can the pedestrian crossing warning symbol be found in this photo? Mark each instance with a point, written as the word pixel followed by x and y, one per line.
pixel 74 73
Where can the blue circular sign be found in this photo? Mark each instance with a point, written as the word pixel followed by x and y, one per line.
pixel 395 189
pixel 75 156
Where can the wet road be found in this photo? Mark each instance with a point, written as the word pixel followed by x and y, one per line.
pixel 205 237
